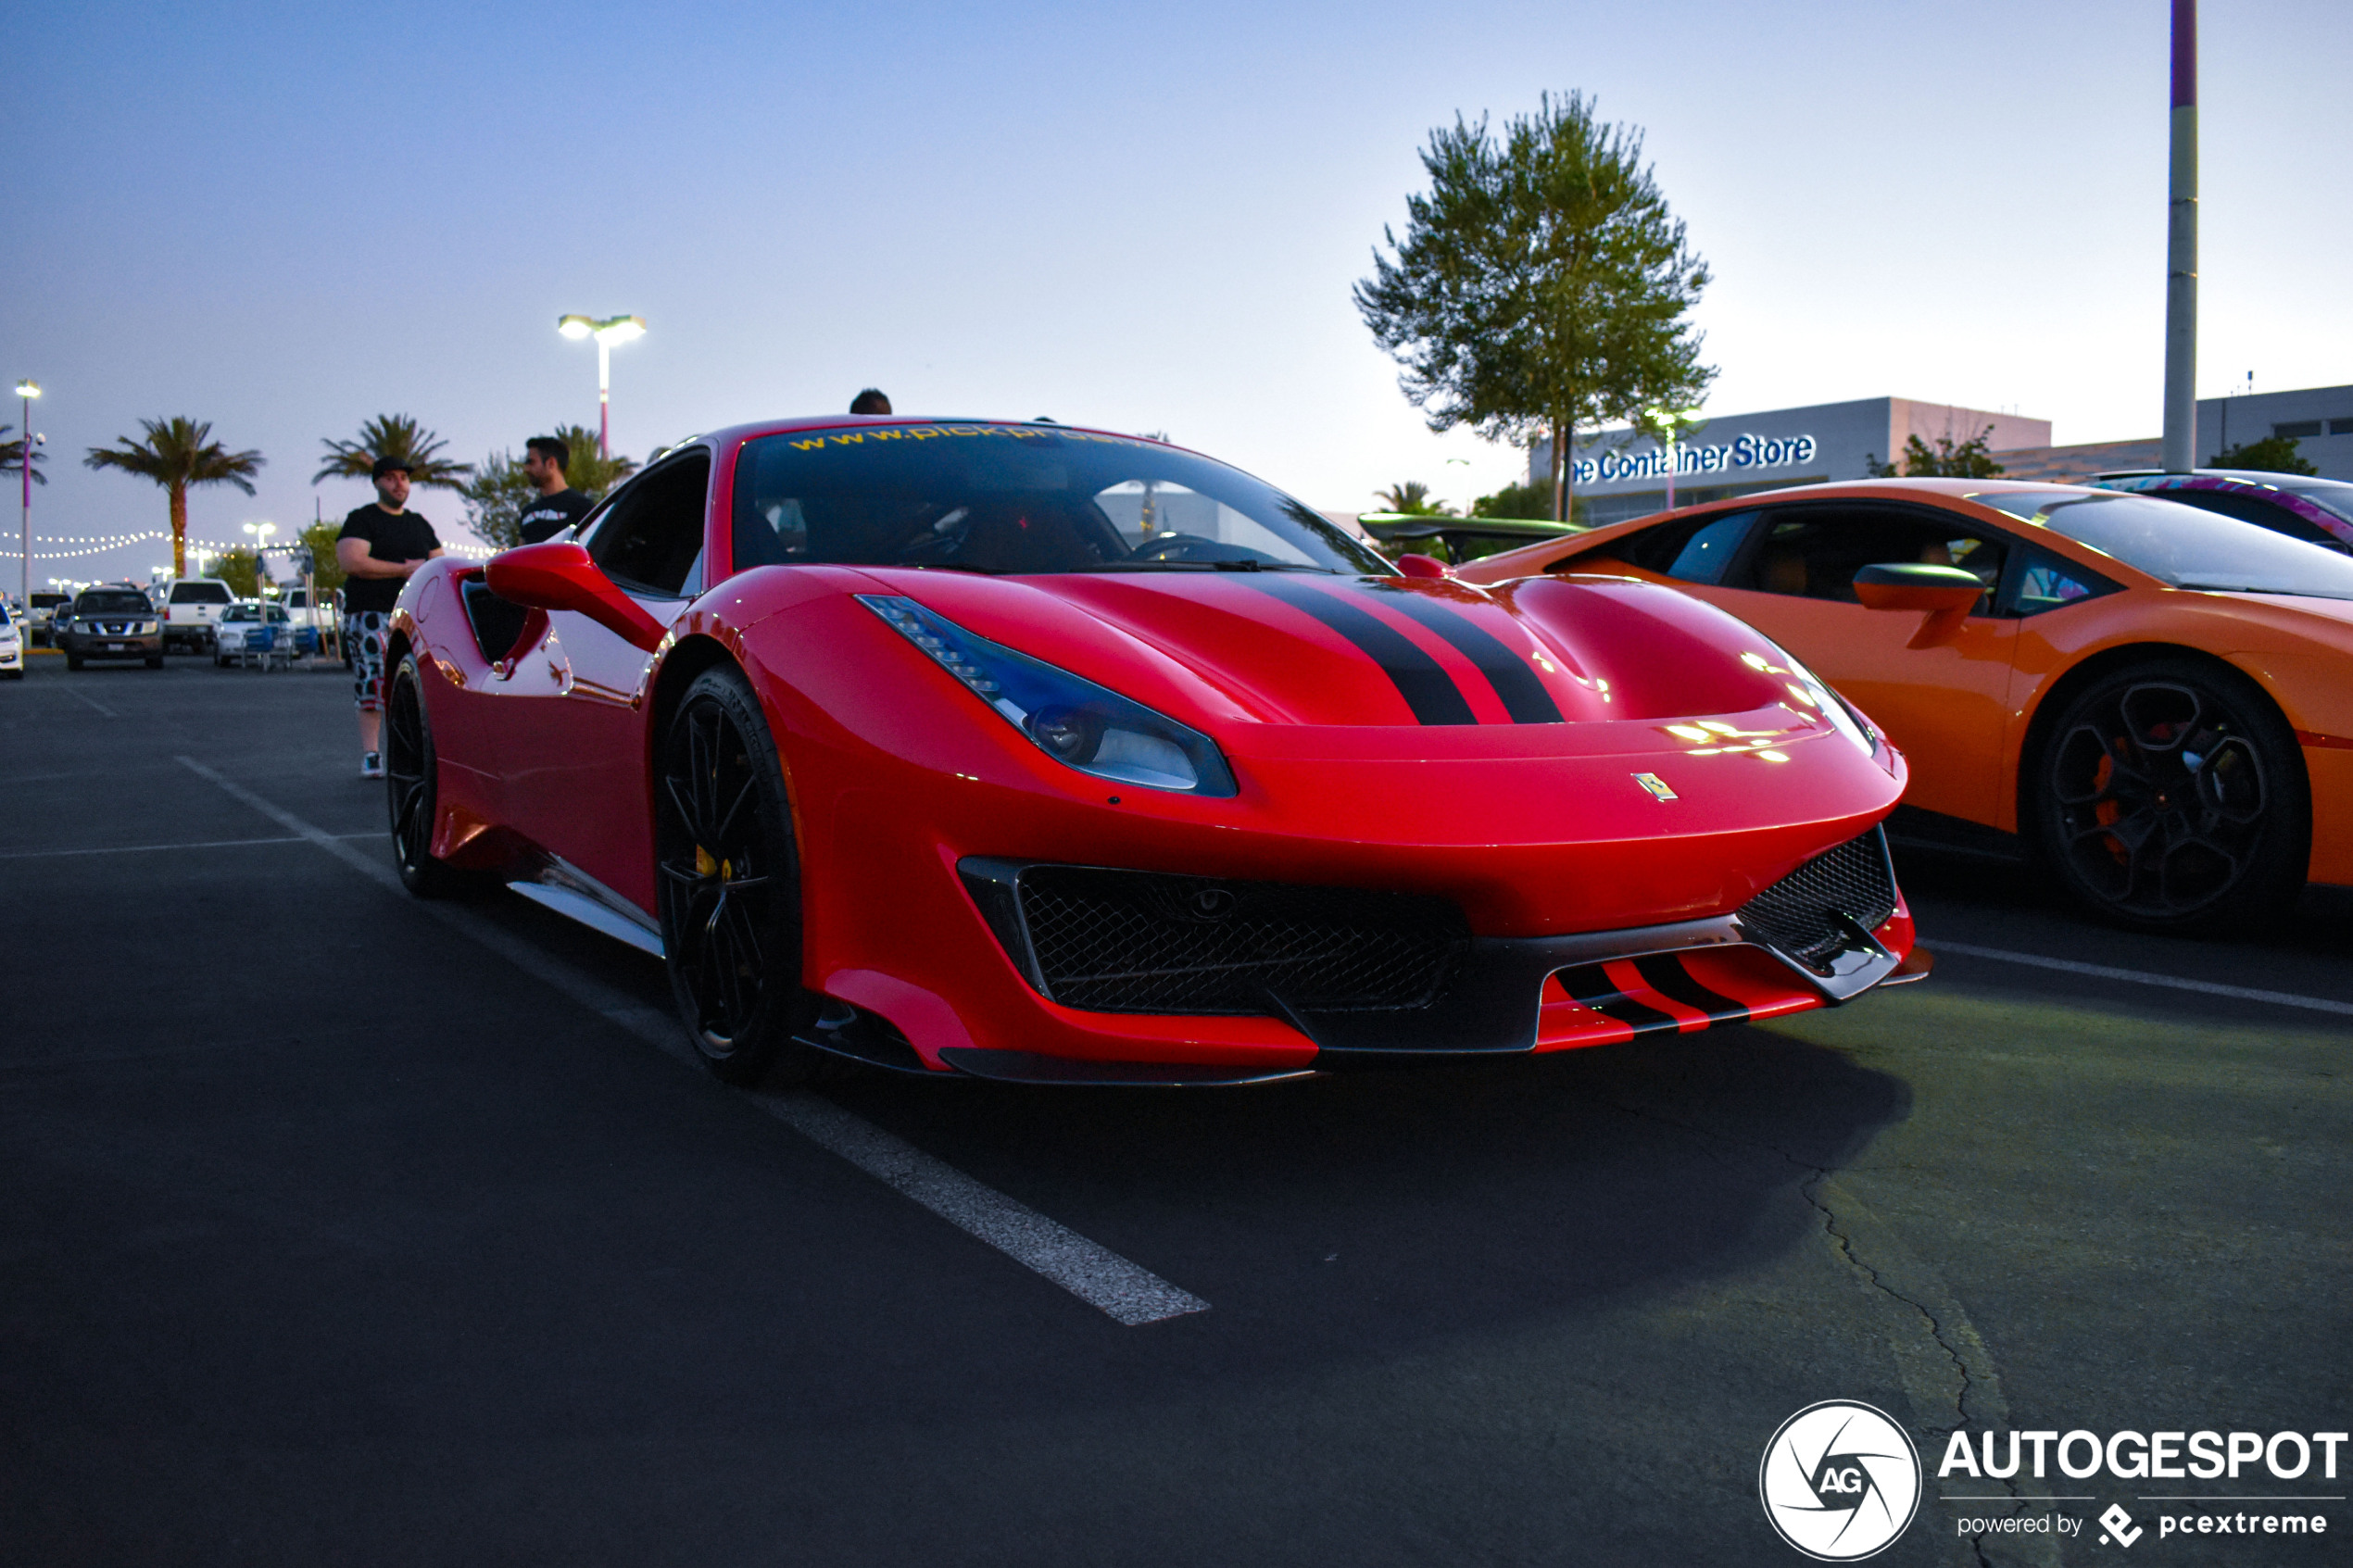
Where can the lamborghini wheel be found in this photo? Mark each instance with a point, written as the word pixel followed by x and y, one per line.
pixel 411 780
pixel 730 884
pixel 2172 797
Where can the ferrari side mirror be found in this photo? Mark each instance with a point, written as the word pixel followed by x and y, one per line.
pixel 1421 566
pixel 1944 595
pixel 560 575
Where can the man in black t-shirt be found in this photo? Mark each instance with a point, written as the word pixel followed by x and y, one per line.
pixel 380 549
pixel 558 506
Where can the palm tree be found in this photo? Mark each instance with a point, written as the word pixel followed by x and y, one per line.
pixel 177 453
pixel 12 458
pixel 393 435
pixel 1410 497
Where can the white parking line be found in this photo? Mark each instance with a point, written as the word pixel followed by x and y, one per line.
pixel 75 691
pixel 160 849
pixel 2142 977
pixel 1127 1292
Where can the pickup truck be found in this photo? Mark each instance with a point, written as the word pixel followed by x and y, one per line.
pixel 192 609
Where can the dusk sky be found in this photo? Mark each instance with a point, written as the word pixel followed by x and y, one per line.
pixel 286 218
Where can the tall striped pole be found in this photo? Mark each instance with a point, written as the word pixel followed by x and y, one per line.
pixel 2181 251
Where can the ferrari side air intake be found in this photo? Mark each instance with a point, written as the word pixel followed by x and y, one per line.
pixel 1829 905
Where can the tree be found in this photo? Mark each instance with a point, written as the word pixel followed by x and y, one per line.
pixel 497 493
pixel 2274 453
pixel 393 435
pixel 235 567
pixel 177 453
pixel 1410 497
pixel 325 570
pixel 1531 500
pixel 1970 460
pixel 12 457
pixel 1543 284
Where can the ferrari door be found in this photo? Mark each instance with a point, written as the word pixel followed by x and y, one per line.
pixel 586 794
pixel 1792 576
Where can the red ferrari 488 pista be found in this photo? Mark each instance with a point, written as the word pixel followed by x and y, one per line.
pixel 1048 754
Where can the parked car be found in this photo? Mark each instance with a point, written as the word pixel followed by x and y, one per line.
pixel 12 635
pixel 2150 698
pixel 1109 763
pixel 192 608
pixel 254 635
pixel 2318 511
pixel 110 622
pixel 45 604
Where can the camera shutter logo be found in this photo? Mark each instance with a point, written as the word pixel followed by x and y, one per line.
pixel 1840 1481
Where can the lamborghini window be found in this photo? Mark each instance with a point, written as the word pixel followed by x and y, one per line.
pixel 1694 551
pixel 1018 499
pixel 649 539
pixel 2181 546
pixel 2047 581
pixel 1814 552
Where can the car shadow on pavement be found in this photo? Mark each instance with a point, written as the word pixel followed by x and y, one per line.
pixel 1392 1206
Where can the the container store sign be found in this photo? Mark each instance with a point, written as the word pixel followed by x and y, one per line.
pixel 1743 452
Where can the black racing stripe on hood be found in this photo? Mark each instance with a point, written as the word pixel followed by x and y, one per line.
pixel 1522 695
pixel 1419 679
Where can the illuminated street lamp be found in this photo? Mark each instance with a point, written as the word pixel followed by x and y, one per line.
pixel 612 330
pixel 27 390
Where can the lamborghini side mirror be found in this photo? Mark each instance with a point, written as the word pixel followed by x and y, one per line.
pixel 560 575
pixel 1944 595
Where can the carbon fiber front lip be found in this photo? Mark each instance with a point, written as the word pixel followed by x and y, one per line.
pixel 1494 1002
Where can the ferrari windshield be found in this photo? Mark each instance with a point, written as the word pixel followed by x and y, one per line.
pixel 2182 545
pixel 1018 499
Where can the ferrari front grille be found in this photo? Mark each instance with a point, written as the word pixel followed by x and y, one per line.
pixel 1807 913
pixel 1118 941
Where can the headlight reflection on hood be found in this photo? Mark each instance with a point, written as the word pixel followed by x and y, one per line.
pixel 1073 721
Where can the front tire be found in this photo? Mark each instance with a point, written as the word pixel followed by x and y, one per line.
pixel 2172 797
pixel 73 661
pixel 413 792
pixel 729 880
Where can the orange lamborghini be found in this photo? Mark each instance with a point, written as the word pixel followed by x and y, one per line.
pixel 2156 700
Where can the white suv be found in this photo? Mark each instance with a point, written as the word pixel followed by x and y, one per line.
pixel 192 608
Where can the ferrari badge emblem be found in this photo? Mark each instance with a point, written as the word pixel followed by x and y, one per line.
pixel 1656 785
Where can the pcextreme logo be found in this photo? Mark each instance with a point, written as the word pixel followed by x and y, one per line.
pixel 1840 1481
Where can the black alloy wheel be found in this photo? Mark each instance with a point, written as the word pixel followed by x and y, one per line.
pixel 411 788
pixel 729 883
pixel 2172 797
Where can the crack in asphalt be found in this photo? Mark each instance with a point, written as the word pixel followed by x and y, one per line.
pixel 1977 1399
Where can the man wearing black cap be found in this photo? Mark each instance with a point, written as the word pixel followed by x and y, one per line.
pixel 381 546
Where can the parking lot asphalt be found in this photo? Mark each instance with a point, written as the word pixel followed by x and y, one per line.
pixel 332 1233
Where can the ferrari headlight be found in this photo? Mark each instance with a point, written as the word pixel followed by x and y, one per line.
pixel 1070 720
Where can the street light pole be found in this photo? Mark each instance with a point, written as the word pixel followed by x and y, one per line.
pixel 261 532
pixel 27 390
pixel 2181 251
pixel 612 330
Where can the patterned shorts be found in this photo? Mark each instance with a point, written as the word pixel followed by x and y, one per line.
pixel 364 633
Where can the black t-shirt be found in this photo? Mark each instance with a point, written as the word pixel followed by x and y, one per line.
pixel 544 516
pixel 401 535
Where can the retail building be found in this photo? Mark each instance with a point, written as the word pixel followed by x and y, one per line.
pixel 1620 473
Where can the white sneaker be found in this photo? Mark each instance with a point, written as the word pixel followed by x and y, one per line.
pixel 372 765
